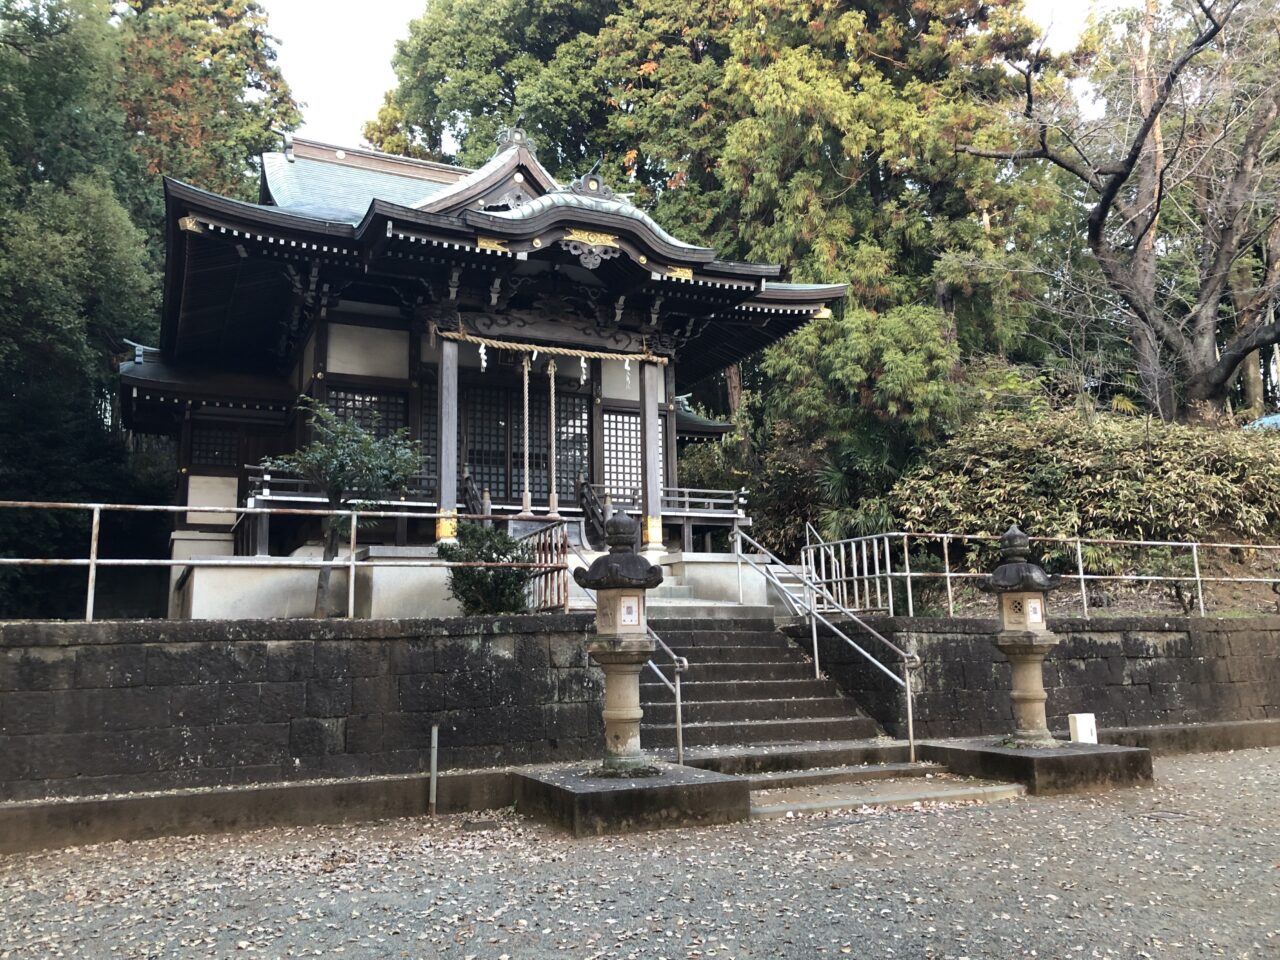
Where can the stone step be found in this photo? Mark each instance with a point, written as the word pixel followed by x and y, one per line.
pixel 703 610
pixel 746 711
pixel 669 591
pixel 719 638
pixel 815 776
pixel 722 672
pixel 765 757
pixel 761 731
pixel 692 691
pixel 886 793
pixel 738 654
pixel 753 623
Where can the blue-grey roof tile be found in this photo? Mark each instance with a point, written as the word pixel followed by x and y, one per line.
pixel 330 191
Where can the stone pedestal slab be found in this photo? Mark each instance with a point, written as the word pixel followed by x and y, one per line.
pixel 587 805
pixel 1061 768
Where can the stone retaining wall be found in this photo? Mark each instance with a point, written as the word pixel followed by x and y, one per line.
pixel 1137 671
pixel 150 705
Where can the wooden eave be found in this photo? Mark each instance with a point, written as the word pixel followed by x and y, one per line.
pixel 232 273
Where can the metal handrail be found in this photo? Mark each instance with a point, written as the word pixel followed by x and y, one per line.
pixel 910 661
pixel 93 561
pixel 880 550
pixel 679 665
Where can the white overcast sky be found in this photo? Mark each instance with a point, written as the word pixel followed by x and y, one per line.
pixel 339 61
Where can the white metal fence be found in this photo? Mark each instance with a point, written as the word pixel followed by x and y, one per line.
pixel 886 572
pixel 549 587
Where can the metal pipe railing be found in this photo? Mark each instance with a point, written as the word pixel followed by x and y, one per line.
pixel 93 562
pixel 879 580
pixel 813 590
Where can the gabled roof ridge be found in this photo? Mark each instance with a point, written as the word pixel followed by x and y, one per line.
pixel 514 151
pixel 347 156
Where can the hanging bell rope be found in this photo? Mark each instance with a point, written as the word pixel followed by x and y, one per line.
pixel 463 337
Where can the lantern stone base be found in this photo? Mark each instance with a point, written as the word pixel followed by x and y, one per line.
pixel 622 659
pixel 578 800
pixel 1026 651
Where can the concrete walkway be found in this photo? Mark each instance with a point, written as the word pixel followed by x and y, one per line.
pixel 1187 868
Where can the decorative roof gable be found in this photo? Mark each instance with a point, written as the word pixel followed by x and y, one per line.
pixel 511 178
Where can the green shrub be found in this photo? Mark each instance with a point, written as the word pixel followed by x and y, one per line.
pixel 488 590
pixel 1105 478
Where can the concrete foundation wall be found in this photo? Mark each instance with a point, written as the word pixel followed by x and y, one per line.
pixel 121 707
pixel 1130 672
pixel 714 576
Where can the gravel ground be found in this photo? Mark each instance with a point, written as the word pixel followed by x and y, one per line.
pixel 1187 868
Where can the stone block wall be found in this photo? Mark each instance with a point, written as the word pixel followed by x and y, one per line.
pixel 1136 671
pixel 149 705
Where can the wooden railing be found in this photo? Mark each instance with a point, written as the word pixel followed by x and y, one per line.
pixel 683 501
pixel 695 502
pixel 549 585
pixel 264 483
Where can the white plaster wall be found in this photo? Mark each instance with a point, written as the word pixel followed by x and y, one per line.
pixel 240 593
pixel 613 381
pixel 395 592
pixel 185 544
pixel 368 351
pixel 203 491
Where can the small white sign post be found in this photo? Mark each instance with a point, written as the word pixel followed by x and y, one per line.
pixel 1084 727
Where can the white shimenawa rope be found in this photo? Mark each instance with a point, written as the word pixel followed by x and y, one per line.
pixel 644 357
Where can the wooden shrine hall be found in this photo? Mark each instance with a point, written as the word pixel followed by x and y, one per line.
pixel 534 337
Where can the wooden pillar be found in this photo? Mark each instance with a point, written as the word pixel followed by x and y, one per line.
pixel 414 412
pixel 526 497
pixel 596 473
pixel 669 401
pixel 651 394
pixel 553 500
pixel 447 463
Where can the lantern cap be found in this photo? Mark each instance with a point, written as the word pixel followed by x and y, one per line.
pixel 621 567
pixel 1016 574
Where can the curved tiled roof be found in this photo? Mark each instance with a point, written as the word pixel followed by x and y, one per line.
pixel 328 191
pixel 565 199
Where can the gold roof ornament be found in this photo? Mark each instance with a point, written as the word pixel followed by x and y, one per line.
pixel 592 237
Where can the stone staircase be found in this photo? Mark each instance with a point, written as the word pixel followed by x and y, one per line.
pixel 753 708
pixel 747 683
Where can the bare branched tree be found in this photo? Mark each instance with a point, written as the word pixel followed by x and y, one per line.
pixel 1174 149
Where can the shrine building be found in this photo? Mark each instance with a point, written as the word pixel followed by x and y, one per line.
pixel 446 301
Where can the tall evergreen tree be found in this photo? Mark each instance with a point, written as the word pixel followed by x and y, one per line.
pixel 95 108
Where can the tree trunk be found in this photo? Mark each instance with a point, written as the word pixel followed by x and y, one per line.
pixel 1156 379
pixel 331 531
pixel 1251 371
pixel 733 384
pixel 1206 400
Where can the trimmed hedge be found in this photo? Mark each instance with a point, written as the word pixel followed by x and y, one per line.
pixel 1107 477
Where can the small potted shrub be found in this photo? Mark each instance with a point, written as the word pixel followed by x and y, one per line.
pixel 484 591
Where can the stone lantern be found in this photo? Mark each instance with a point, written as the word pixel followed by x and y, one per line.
pixel 622 644
pixel 1020 588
